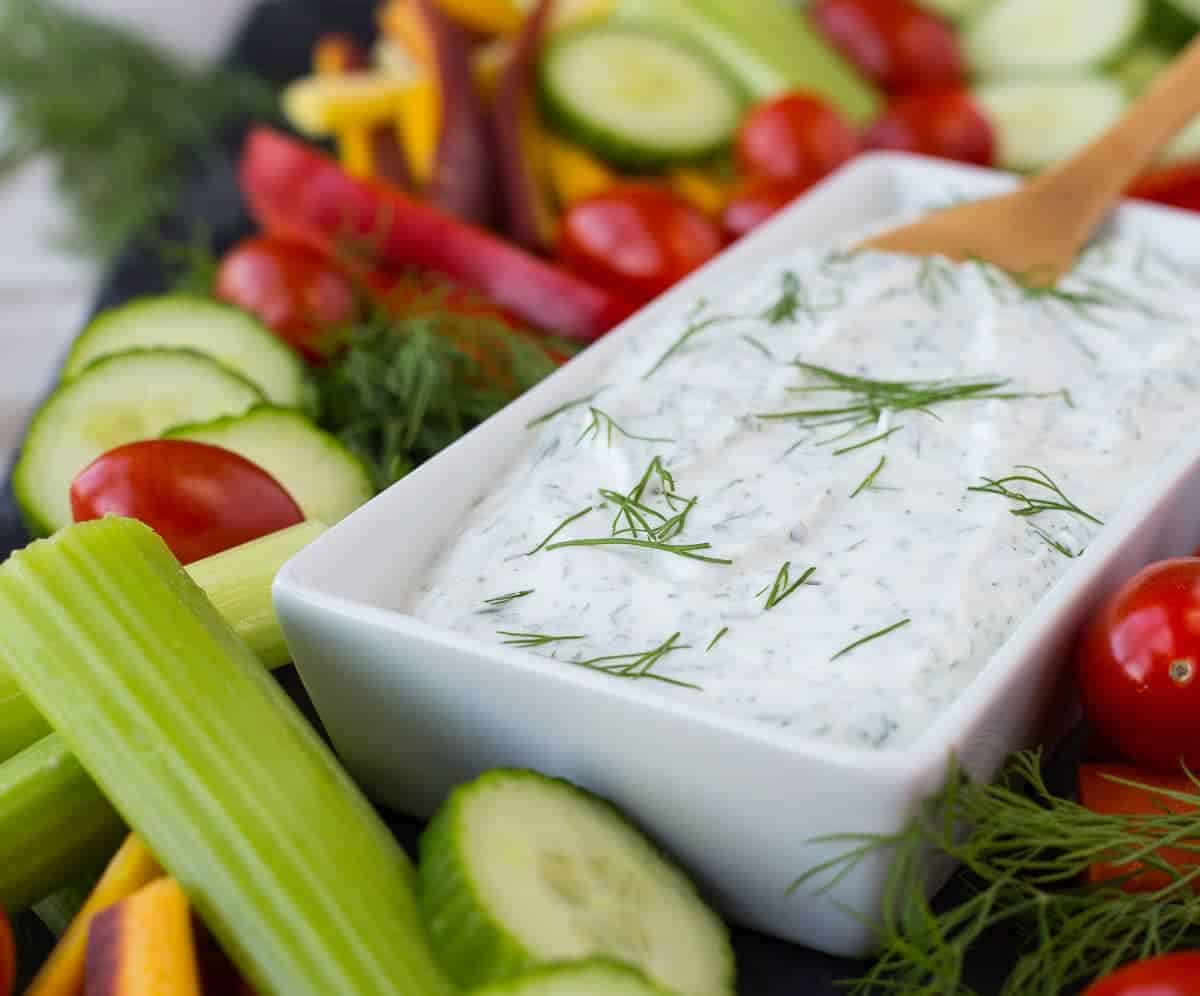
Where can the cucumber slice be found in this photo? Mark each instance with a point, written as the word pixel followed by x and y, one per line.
pixel 519 869
pixel 1186 145
pixel 593 977
pixel 327 480
pixel 179 322
pixel 118 399
pixel 1040 37
pixel 638 98
pixel 1040 122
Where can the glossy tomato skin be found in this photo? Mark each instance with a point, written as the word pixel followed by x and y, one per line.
pixel 1177 186
pixel 937 121
pixel 794 138
pixel 638 239
pixel 896 43
pixel 293 289
pixel 755 200
pixel 200 499
pixel 1138 666
pixel 1168 975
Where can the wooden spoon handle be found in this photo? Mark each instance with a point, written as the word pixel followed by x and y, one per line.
pixel 1097 176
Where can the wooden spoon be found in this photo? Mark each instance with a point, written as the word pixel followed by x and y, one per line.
pixel 1036 232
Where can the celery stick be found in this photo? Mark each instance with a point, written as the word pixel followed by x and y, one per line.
pixel 56 824
pixel 20 723
pixel 212 764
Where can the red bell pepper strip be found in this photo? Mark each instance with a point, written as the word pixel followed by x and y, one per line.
pixel 1101 794
pixel 1176 186
pixel 294 191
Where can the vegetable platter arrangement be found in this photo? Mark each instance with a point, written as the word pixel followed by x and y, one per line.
pixel 472 192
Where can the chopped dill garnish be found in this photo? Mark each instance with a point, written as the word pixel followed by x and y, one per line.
pixel 867 639
pixel 534 639
pixel 558 529
pixel 785 308
pixel 639 665
pixel 1056 545
pixel 603 421
pixel 936 277
pixel 783 585
pixel 565 407
pixel 512 596
pixel 1051 499
pixel 867 442
pixel 688 550
pixel 716 639
pixel 759 345
pixel 695 326
pixel 870 478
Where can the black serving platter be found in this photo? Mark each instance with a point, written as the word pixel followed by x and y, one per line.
pixel 275 42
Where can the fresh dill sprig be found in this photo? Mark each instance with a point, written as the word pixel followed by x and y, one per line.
pixel 871 636
pixel 1023 860
pixel 687 550
pixel 868 442
pixel 640 665
pixel 783 585
pixel 695 326
pixel 512 596
pixel 534 639
pixel 602 421
pixel 716 639
pixel 869 480
pixel 1056 545
pixel 794 300
pixel 558 529
pixel 1049 499
pixel 936 278
pixel 122 122
pixel 565 407
pixel 759 345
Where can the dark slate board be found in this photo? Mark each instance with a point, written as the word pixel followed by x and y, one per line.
pixel 276 42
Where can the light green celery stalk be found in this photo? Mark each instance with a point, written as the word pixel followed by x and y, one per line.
pixel 769 45
pixel 237 582
pixel 210 762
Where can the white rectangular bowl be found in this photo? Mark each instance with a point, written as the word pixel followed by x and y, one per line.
pixel 414 709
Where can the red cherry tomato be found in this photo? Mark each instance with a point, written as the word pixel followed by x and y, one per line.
pixel 896 43
pixel 637 238
pixel 754 200
pixel 938 121
pixel 293 290
pixel 8 957
pixel 794 138
pixel 1168 975
pixel 200 499
pixel 1138 665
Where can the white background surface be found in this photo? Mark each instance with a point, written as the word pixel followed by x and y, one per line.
pixel 44 294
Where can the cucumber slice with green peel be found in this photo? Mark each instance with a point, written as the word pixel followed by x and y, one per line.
pixel 327 481
pixel 593 977
pixel 1041 122
pixel 118 399
pixel 175 321
pixel 1012 38
pixel 518 869
pixel 638 98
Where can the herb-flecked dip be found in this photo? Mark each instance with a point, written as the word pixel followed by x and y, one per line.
pixel 825 496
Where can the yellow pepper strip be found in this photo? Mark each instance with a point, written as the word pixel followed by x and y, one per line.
pixel 402 23
pixel 574 173
pixel 335 55
pixel 132 867
pixel 323 105
pixel 702 190
pixel 418 127
pixel 144 945
pixel 489 17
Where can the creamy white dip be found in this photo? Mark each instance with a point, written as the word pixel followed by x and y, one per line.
pixel 1102 379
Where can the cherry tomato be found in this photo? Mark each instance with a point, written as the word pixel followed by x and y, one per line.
pixel 637 238
pixel 794 138
pixel 896 43
pixel 1168 975
pixel 8 957
pixel 754 200
pixel 938 121
pixel 1138 665
pixel 200 499
pixel 293 290
pixel 1176 186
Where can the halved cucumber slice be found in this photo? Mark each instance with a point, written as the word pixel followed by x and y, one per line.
pixel 177 321
pixel 518 869
pixel 593 977
pixel 327 481
pixel 1047 37
pixel 1040 122
pixel 118 399
pixel 638 97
